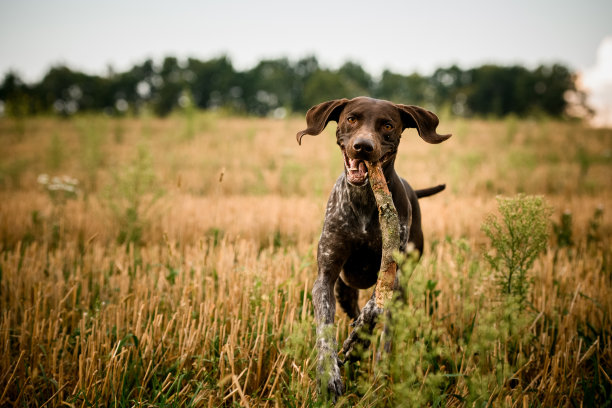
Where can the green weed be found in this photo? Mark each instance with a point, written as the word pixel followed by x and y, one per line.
pixel 92 156
pixel 518 237
pixel 56 153
pixel 131 195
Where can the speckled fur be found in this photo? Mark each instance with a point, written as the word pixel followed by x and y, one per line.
pixel 349 251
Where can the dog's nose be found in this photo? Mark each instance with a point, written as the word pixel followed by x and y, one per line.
pixel 362 145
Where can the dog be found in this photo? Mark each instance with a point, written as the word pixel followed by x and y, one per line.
pixel 350 247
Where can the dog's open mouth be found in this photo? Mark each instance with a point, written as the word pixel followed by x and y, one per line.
pixel 356 170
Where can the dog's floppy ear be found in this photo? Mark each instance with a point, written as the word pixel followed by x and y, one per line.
pixel 318 116
pixel 424 121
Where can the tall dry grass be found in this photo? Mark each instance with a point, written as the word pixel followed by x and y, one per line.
pixel 208 302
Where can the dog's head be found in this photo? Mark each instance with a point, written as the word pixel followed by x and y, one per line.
pixel 369 130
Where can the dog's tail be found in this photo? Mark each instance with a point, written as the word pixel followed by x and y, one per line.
pixel 426 192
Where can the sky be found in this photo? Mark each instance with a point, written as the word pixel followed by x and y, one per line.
pixel 403 36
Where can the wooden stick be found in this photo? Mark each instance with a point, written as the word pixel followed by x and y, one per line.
pixel 389 228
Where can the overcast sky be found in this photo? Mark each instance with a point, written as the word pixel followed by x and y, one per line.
pixel 404 36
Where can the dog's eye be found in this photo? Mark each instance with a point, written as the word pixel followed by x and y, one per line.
pixel 388 127
pixel 351 120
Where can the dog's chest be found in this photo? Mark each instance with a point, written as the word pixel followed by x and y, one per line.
pixel 353 214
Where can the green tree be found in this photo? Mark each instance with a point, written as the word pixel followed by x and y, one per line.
pixel 132 89
pixel 17 96
pixel 358 79
pixel 325 85
pixel 269 85
pixel 410 90
pixel 303 70
pixel 170 87
pixel 215 83
pixel 488 90
pixel 551 85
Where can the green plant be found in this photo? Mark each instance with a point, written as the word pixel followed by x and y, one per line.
pixel 495 351
pixel 594 233
pixel 133 191
pixel 188 108
pixel 517 237
pixel 92 157
pixel 432 363
pixel 19 108
pixel 12 172
pixel 290 175
pixel 512 127
pixel 563 230
pixel 585 160
pixel 60 190
pixel 55 154
pixel 416 369
pixel 119 130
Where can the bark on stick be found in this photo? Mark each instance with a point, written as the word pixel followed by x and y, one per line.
pixel 389 227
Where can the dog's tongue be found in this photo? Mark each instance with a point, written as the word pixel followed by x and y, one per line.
pixel 357 172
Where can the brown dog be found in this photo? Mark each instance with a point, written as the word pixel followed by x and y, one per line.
pixel 349 250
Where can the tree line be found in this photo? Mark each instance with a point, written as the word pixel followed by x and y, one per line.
pixel 279 86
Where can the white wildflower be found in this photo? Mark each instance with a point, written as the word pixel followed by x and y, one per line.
pixel 43 179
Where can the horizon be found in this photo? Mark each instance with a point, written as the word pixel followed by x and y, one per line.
pixel 403 37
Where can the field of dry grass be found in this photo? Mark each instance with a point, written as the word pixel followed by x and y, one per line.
pixel 178 271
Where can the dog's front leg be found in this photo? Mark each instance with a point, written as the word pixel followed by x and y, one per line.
pixel 363 325
pixel 328 372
